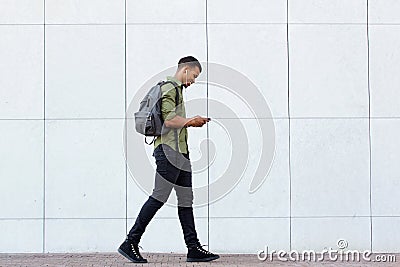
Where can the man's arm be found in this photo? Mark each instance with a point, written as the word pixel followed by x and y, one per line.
pixel 179 122
pixel 171 119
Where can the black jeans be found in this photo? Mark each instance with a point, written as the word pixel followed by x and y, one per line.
pixel 173 171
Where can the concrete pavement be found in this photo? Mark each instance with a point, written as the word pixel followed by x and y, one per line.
pixel 160 259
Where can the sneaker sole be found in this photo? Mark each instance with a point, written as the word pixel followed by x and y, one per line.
pixel 202 260
pixel 129 258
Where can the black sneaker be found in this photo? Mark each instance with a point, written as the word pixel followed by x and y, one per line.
pixel 198 253
pixel 131 251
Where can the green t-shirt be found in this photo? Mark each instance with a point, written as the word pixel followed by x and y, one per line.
pixel 168 112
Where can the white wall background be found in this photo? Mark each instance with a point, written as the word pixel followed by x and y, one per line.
pixel 69 68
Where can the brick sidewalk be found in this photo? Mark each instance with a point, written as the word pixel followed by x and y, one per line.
pixel 156 259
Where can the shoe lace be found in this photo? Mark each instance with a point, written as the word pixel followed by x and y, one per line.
pixel 136 250
pixel 201 249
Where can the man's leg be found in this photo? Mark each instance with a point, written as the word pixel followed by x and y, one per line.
pixel 184 194
pixel 165 178
pixel 147 212
pixel 130 247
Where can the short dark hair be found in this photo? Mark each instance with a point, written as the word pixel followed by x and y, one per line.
pixel 189 61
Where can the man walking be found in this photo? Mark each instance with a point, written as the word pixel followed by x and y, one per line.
pixel 173 167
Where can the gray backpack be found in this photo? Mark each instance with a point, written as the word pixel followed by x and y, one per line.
pixel 148 120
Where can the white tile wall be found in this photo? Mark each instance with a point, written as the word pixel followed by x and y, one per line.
pixel 21 172
pixel 385 234
pixel 168 43
pixel 384 69
pixel 384 11
pixel 158 11
pixel 140 179
pixel 201 149
pixel 85 170
pixel 330 167
pixel 228 102
pixel 85 11
pixel 328 71
pixel 250 51
pixel 21 68
pixel 85 71
pixel 248 235
pixel 137 197
pixel 385 171
pixel 21 11
pixel 89 235
pixel 253 11
pixel 84 59
pixel 320 233
pixel 327 11
pixel 14 232
pixel 272 197
pixel 195 98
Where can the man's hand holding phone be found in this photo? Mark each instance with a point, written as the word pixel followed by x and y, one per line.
pixel 197 121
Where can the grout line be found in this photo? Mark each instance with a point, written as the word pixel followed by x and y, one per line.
pixel 208 136
pixel 65 218
pixel 201 23
pixel 288 110
pixel 369 128
pixel 44 130
pixel 290 217
pixel 125 130
pixel 206 217
pixel 300 23
pixel 148 23
pixel 264 217
pixel 304 118
pixel 98 24
pixel 63 119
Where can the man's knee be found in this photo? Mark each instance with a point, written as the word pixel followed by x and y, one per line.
pixel 156 202
pixel 185 196
pixel 160 197
pixel 162 190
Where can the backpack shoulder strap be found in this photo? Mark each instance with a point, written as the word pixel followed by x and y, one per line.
pixel 176 105
pixel 176 86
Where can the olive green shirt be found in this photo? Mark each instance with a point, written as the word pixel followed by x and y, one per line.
pixel 168 112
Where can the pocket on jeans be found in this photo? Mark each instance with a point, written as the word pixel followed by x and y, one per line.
pixel 161 159
pixel 158 152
